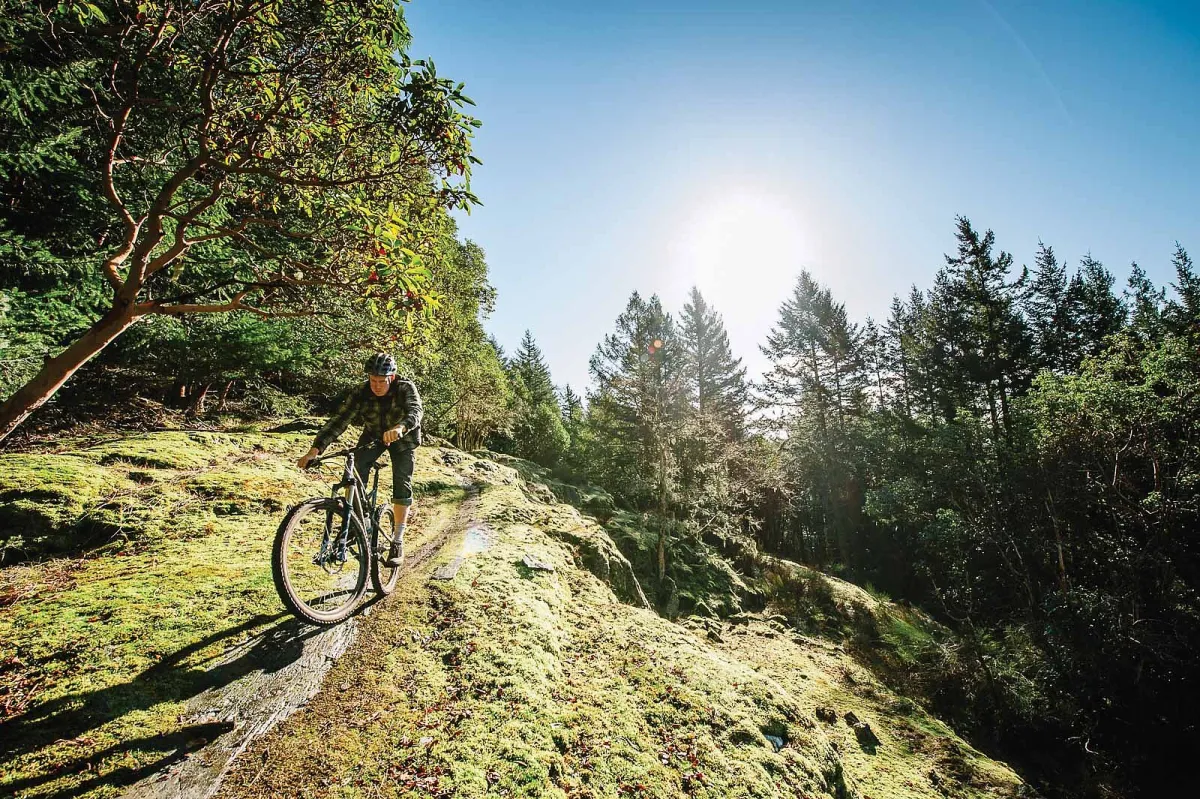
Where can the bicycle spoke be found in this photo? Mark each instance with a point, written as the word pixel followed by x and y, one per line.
pixel 322 572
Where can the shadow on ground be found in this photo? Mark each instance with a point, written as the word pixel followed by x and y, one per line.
pixel 67 719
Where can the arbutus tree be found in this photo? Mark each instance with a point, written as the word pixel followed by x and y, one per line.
pixel 260 156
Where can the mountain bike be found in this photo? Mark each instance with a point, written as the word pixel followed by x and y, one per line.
pixel 326 547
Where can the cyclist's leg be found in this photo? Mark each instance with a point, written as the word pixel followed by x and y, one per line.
pixel 368 452
pixel 402 472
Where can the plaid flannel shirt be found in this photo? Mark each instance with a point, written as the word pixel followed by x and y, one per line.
pixel 400 406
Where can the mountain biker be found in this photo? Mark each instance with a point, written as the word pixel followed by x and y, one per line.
pixel 389 410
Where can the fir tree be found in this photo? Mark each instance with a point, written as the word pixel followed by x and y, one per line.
pixel 1184 312
pixel 531 366
pixel 1097 312
pixel 1145 304
pixel 714 379
pixel 1048 310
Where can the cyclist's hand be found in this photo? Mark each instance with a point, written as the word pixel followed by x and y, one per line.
pixel 307 457
pixel 393 435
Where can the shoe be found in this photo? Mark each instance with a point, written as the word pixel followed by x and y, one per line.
pixel 395 554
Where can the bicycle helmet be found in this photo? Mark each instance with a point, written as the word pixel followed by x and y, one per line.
pixel 381 364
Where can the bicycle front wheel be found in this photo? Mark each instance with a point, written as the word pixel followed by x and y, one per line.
pixel 319 578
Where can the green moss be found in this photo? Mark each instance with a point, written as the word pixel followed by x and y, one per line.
pixel 100 655
pixel 507 681
pixel 51 503
pixel 504 681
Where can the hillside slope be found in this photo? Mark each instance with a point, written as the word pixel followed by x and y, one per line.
pixel 505 680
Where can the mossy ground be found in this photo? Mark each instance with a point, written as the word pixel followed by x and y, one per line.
pixel 504 681
pixel 101 650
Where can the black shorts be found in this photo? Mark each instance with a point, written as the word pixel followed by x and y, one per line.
pixel 402 468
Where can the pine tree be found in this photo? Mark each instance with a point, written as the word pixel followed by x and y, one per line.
pixel 714 379
pixel 1097 313
pixel 796 348
pixel 572 407
pixel 531 366
pixel 875 362
pixel 1184 312
pixel 1145 304
pixel 1047 307
pixel 898 350
pixel 638 403
pixel 995 340
pixel 538 431
pixel 817 381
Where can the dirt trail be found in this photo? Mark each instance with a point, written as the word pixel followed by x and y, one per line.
pixel 294 660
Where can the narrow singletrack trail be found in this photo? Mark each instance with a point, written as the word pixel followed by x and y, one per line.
pixel 291 661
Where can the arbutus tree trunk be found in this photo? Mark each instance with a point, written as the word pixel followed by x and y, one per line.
pixel 197 406
pixel 59 369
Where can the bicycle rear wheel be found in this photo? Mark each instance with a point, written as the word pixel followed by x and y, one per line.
pixel 318 580
pixel 385 577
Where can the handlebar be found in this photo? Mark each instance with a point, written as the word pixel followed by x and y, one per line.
pixel 342 453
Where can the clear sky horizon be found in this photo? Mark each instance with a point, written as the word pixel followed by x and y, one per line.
pixel 656 145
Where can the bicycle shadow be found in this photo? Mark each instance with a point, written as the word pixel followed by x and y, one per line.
pixel 67 718
pixel 176 746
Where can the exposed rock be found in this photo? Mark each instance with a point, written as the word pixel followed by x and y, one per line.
pixel 669 598
pixel 599 555
pixel 535 563
pixel 863 732
pixel 827 715
pixel 539 493
pixel 301 425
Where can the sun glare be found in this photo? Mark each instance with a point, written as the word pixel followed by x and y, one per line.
pixel 741 245
pixel 743 250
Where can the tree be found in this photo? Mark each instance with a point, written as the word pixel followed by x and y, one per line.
pixel 993 339
pixel 1097 312
pixel 1049 311
pixel 714 379
pixel 251 157
pixel 636 405
pixel 1145 304
pixel 898 349
pixel 480 395
pixel 1184 312
pixel 573 420
pixel 795 347
pixel 538 431
pixel 530 365
pixel 817 381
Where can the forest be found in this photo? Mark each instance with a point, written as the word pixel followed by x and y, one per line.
pixel 224 225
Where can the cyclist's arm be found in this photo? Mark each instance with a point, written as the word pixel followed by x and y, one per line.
pixel 337 423
pixel 415 410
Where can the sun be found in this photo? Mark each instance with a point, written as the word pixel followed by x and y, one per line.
pixel 741 246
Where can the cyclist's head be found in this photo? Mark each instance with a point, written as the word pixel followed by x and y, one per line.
pixel 381 367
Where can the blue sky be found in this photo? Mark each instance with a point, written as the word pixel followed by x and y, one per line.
pixel 654 145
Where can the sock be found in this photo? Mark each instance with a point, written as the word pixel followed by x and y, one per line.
pixel 400 528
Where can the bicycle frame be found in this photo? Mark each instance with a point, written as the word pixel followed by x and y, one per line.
pixel 359 505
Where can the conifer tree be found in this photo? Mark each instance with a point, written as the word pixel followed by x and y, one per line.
pixel 1097 312
pixel 638 403
pixel 714 379
pixel 530 364
pixel 898 349
pixel 1145 303
pixel 1184 312
pixel 875 362
pixel 1048 308
pixel 994 341
pixel 538 431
